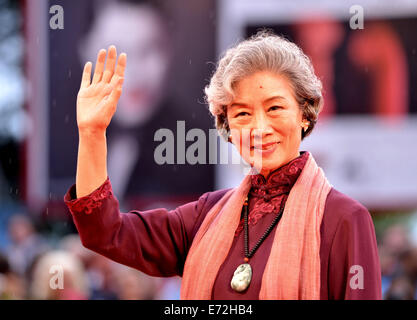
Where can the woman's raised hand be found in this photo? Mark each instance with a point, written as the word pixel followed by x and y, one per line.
pixel 97 99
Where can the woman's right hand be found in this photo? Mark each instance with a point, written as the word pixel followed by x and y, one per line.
pixel 97 99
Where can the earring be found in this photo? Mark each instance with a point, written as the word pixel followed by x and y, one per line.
pixel 305 126
pixel 229 139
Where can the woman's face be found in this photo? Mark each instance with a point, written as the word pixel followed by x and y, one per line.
pixel 265 121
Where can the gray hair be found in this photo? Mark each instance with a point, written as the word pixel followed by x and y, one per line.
pixel 264 51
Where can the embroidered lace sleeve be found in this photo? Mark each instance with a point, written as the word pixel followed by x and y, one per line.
pixel 154 241
pixel 88 203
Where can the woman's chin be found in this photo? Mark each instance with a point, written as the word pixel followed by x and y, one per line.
pixel 269 163
pixel 264 166
pixel 262 169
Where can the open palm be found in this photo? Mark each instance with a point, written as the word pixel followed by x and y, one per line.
pixel 97 99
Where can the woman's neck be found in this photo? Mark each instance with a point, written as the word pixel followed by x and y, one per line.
pixel 267 171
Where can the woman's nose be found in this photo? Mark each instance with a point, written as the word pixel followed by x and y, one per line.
pixel 261 125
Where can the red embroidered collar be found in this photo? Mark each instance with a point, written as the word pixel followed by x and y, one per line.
pixel 267 195
pixel 280 180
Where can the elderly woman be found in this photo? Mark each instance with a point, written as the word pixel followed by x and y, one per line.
pixel 283 233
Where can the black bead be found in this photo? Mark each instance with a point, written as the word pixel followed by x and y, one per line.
pixel 266 233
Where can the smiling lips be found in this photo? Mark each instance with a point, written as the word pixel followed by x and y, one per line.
pixel 266 148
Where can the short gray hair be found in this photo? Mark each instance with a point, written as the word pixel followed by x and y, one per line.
pixel 264 51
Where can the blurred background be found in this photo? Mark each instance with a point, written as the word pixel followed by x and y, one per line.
pixel 365 139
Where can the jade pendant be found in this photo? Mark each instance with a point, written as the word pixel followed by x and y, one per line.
pixel 241 277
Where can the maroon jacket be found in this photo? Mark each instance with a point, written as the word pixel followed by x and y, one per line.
pixel 156 241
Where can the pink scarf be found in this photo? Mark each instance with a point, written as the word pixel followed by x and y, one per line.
pixel 293 268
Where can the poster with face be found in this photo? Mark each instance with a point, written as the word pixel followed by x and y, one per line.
pixel 163 89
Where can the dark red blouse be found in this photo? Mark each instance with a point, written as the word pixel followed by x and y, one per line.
pixel 157 241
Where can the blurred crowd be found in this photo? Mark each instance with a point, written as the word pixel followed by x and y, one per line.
pixel 33 266
pixel 398 257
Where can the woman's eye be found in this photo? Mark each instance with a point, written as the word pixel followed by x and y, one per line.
pixel 273 108
pixel 241 114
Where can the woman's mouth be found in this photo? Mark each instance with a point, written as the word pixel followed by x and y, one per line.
pixel 266 149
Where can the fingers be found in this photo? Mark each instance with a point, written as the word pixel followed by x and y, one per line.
pixel 98 71
pixel 121 65
pixel 111 62
pixel 86 78
pixel 116 92
pixel 120 69
pixel 109 74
